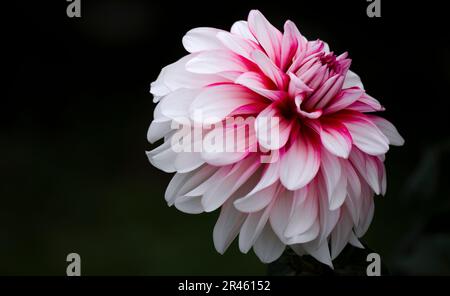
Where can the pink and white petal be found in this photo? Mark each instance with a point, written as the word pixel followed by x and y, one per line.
pixel 279 215
pixel 365 134
pixel 319 77
pixel 259 84
pixel 214 103
pixel 331 93
pixel 176 104
pixel 189 204
pixel 352 202
pixel 337 199
pixel 351 80
pixel 353 240
pixel 269 68
pixel 240 173
pixel 202 39
pixel 163 157
pixel 158 88
pixel 175 76
pixel 328 218
pixel 381 175
pixel 227 226
pixel 331 170
pixel 272 130
pixel 249 109
pixel 388 129
pixel 158 130
pixel 321 253
pixel 341 234
pixel 336 138
pixel 297 86
pixel 256 201
pixel 175 184
pixel 208 183
pixel 367 167
pixel 365 104
pixel 252 228
pixel 368 208
pixel 217 61
pixel 303 215
pixel 307 236
pixel 300 163
pixel 229 144
pixel 268 246
pixel 237 44
pixel 157 113
pixel 270 175
pixel 267 35
pixel 241 28
pixel 311 115
pixel 188 161
pixel 289 44
pixel 183 183
pixel 344 99
pixel 306 75
pixel 316 100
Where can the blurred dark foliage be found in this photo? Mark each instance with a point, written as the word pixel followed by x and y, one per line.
pixel 351 262
pixel 76 108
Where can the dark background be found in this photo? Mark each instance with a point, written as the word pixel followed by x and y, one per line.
pixel 76 108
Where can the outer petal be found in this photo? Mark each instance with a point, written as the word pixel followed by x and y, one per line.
pixel 304 214
pixel 201 39
pixel 175 76
pixel 256 201
pixel 341 234
pixel 351 80
pixel 366 104
pixel 268 247
pixel 241 172
pixel 158 130
pixel 279 216
pixel 266 34
pixel 237 44
pixel 252 228
pixel 300 163
pixel 367 167
pixel 388 129
pixel 365 134
pixel 214 103
pixel 343 100
pixel 176 104
pixel 240 28
pixel 227 226
pixel 217 61
pixel 289 44
pixel 163 157
pixel 321 253
pixel 336 138
pixel 182 183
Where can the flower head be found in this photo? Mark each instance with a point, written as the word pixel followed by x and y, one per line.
pixel 300 154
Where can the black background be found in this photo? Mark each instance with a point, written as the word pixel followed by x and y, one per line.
pixel 76 108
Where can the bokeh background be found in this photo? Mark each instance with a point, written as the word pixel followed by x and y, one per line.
pixel 75 109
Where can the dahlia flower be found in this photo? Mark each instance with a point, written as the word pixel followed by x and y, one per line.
pixel 311 152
